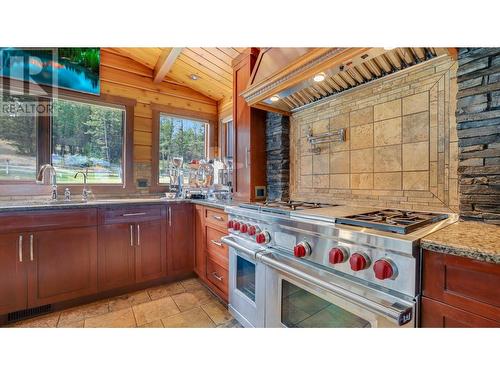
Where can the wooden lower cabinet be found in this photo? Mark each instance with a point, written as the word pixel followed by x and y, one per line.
pixel 13 273
pixel 218 277
pixel 44 267
pixel 69 254
pixel 439 315
pixel 459 292
pixel 211 254
pixel 150 250
pixel 116 255
pixel 180 239
pixel 64 265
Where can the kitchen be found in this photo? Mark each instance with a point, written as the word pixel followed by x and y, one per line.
pixel 178 171
pixel 373 203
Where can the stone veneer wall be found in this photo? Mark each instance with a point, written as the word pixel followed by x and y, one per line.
pixel 401 149
pixel 478 117
pixel 278 156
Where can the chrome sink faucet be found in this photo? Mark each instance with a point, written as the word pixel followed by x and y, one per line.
pixel 40 178
pixel 86 192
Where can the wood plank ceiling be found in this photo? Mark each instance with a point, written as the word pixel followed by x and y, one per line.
pixel 211 67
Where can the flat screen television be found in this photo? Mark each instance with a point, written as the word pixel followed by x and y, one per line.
pixel 74 69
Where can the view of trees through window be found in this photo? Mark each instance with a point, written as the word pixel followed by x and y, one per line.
pixel 179 137
pixel 18 143
pixel 87 136
pixel 84 136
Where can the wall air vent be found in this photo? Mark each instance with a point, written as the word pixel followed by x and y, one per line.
pixel 28 313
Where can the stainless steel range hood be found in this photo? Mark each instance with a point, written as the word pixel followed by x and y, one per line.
pixel 322 72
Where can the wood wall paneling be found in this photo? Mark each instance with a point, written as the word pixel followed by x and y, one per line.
pixel 131 77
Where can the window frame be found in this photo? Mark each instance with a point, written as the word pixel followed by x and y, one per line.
pixel 224 136
pixel 210 145
pixel 44 142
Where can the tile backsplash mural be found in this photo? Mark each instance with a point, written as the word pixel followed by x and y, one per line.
pixel 401 142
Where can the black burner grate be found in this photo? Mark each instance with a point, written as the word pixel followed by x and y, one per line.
pixel 397 221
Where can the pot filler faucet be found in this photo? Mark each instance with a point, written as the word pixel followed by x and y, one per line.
pixel 85 193
pixel 40 178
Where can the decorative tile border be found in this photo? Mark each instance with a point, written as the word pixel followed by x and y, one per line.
pixel 401 147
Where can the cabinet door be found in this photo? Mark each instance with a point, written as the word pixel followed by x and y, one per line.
pixel 13 279
pixel 151 251
pixel 116 255
pixel 439 315
pixel 180 243
pixel 463 283
pixel 199 239
pixel 63 265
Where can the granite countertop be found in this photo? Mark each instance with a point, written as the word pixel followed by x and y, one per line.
pixel 469 239
pixel 13 206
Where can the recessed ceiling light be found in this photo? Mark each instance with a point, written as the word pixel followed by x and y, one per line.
pixel 194 77
pixel 319 77
pixel 274 98
pixel 389 48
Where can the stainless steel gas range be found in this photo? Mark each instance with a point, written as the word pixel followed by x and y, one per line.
pixel 299 264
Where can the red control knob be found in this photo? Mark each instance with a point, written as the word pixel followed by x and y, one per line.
pixel 252 230
pixel 302 249
pixel 230 224
pixel 384 269
pixel 359 261
pixel 244 228
pixel 337 255
pixel 236 225
pixel 262 237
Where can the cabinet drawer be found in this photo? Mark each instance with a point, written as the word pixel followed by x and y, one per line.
pixel 130 214
pixel 216 250
pixel 217 218
pixel 438 315
pixel 217 275
pixel 464 283
pixel 47 219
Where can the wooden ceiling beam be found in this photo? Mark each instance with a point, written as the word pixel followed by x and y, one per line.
pixel 165 63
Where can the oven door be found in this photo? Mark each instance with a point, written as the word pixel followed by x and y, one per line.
pixel 298 295
pixel 246 284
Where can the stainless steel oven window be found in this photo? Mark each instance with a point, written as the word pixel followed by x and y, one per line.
pixel 245 277
pixel 300 308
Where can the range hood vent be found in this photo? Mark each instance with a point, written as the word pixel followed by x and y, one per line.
pixel 321 72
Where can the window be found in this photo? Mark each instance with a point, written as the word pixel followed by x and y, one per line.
pixel 77 133
pixel 87 136
pixel 227 138
pixel 179 137
pixel 18 142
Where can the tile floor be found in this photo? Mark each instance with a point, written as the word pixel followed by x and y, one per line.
pixel 186 303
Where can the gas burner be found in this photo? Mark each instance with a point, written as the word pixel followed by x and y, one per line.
pixel 283 207
pixel 397 221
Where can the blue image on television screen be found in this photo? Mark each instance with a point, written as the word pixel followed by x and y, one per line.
pixel 69 68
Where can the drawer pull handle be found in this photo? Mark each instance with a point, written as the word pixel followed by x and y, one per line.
pixel 20 249
pixel 131 235
pixel 220 278
pixel 135 214
pixel 216 217
pixel 138 235
pixel 216 243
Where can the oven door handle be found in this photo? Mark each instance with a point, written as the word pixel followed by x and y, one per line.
pixel 399 315
pixel 228 240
